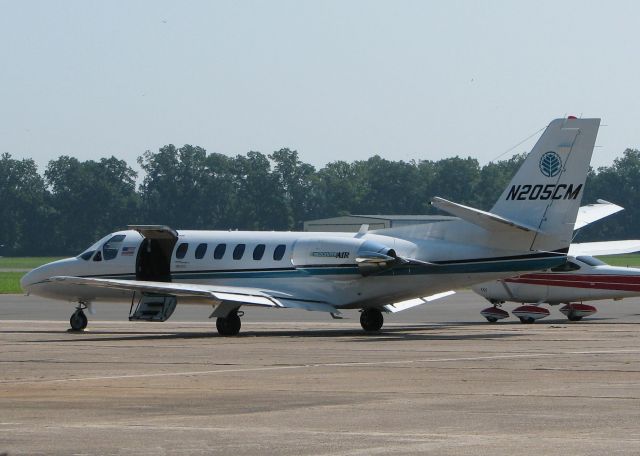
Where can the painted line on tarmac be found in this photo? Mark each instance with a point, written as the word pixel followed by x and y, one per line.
pixel 321 365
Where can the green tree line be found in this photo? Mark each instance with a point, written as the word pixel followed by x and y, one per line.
pixel 76 202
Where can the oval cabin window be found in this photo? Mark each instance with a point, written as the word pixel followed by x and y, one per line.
pixel 238 251
pixel 200 251
pixel 258 252
pixel 278 253
pixel 218 253
pixel 182 250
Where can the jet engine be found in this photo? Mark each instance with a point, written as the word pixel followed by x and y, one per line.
pixel 369 256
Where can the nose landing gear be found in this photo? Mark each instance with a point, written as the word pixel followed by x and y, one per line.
pixel 78 320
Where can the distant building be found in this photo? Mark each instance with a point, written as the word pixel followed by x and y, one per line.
pixel 352 223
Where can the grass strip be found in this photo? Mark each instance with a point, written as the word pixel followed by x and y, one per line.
pixel 24 262
pixel 10 282
pixel 631 259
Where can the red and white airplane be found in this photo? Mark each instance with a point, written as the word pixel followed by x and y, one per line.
pixel 581 278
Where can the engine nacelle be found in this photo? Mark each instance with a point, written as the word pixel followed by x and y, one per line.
pixel 369 256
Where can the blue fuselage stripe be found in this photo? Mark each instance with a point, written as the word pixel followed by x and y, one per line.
pixel 517 265
pixel 459 268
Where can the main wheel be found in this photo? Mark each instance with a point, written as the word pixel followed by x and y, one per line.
pixel 78 320
pixel 527 320
pixel 491 319
pixel 229 325
pixel 573 317
pixel 371 320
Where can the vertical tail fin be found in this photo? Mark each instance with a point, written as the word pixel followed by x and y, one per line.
pixel 547 190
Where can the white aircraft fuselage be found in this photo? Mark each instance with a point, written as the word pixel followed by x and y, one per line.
pixel 318 267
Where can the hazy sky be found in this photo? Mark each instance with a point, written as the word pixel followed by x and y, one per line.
pixel 336 80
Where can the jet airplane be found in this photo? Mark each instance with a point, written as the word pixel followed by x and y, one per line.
pixel 152 268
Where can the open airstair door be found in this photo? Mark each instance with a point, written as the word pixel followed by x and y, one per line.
pixel 154 255
pixel 153 308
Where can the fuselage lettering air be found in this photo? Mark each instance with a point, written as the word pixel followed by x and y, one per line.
pixel 540 192
pixel 330 254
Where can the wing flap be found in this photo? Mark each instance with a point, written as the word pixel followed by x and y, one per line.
pixel 408 304
pixel 309 305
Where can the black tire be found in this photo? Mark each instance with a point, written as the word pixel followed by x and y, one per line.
pixel 573 317
pixel 78 320
pixel 229 325
pixel 371 320
pixel 491 319
pixel 527 320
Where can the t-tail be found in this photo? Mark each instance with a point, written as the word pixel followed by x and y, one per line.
pixel 547 190
pixel 537 211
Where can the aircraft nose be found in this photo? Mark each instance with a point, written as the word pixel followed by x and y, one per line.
pixel 44 272
pixel 30 278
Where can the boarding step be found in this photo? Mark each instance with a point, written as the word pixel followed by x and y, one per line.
pixel 154 308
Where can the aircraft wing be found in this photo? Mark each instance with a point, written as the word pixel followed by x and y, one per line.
pixel 217 294
pixel 594 212
pixel 605 248
pixel 408 304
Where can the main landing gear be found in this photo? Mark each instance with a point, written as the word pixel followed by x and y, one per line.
pixel 229 325
pixel 371 319
pixel 78 320
pixel 495 313
pixel 575 311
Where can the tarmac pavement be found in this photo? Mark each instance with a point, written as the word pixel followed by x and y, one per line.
pixel 436 380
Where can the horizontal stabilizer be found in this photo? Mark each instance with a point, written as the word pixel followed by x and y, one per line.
pixel 408 304
pixel 594 212
pixel 605 248
pixel 483 219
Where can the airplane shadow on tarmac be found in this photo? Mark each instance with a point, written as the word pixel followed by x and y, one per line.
pixel 388 334
pixel 405 333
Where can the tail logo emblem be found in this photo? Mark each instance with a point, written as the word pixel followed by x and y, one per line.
pixel 550 164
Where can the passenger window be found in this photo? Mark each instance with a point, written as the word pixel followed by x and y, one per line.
pixel 568 266
pixel 278 253
pixel 200 251
pixel 258 252
pixel 218 253
pixel 238 251
pixel 98 256
pixel 111 247
pixel 182 250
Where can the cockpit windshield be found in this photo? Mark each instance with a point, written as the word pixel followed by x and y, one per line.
pixel 566 267
pixel 107 248
pixel 86 255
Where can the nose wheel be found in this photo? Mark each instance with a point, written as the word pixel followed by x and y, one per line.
pixel 78 320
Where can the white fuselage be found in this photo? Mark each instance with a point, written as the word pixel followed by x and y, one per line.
pixel 305 266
